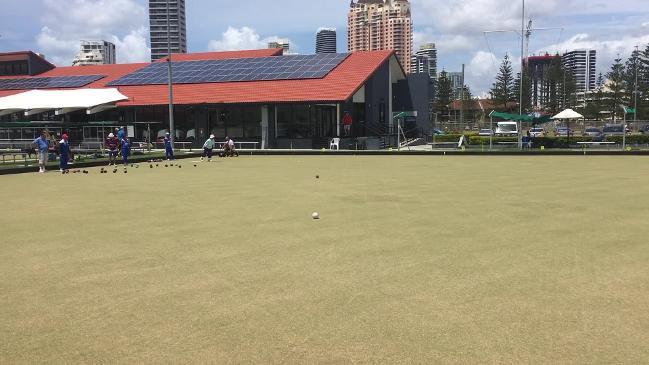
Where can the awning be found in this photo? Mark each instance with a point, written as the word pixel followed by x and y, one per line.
pixel 521 118
pixel 61 101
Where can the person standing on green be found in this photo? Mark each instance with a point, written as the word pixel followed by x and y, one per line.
pixel 42 147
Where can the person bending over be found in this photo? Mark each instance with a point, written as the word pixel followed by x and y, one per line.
pixel 228 148
pixel 112 145
pixel 208 148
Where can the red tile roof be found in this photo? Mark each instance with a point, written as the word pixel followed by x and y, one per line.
pixel 204 56
pixel 339 85
pixel 4 93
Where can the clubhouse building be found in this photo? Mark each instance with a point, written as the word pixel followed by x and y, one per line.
pixel 259 96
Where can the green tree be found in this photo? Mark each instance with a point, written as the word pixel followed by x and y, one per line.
pixel 631 69
pixel 527 90
pixel 502 91
pixel 444 94
pixel 616 85
pixel 639 61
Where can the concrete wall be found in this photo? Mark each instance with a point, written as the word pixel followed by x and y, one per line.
pixel 377 95
pixel 414 94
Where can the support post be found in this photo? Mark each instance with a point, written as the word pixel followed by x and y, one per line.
pixel 172 132
pixel 337 120
pixel 264 126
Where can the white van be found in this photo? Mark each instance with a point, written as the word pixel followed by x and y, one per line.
pixel 507 128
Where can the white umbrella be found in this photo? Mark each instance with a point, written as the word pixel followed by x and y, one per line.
pixel 568 114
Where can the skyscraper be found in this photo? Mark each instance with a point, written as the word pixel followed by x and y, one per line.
pixel 325 41
pixel 381 25
pixel 582 64
pixel 158 22
pixel 425 60
pixel 95 53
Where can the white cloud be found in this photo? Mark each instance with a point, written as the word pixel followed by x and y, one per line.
pixel 123 22
pixel 235 39
pixel 446 42
pixel 133 47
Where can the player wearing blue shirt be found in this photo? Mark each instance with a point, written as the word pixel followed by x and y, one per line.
pixel 126 150
pixel 42 147
pixel 120 133
pixel 64 151
pixel 169 148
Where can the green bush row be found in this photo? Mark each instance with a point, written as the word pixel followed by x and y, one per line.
pixel 558 142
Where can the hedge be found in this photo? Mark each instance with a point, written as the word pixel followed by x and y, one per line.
pixel 558 142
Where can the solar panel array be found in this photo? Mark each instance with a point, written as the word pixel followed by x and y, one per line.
pixel 234 70
pixel 30 83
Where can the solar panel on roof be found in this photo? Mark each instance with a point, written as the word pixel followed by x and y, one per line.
pixel 233 70
pixel 30 83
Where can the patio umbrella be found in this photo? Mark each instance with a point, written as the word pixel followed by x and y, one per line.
pixel 568 114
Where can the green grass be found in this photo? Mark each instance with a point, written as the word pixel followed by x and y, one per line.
pixel 429 259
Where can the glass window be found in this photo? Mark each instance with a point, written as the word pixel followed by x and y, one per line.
pixel 283 120
pixel 217 123
pixel 234 122
pixel 301 127
pixel 252 121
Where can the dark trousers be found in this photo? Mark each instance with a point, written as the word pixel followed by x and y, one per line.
pixel 169 153
pixel 63 162
pixel 207 152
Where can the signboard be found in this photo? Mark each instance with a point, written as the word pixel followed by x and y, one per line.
pixel 130 131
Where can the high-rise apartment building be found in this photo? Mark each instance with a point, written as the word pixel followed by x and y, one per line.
pixel 95 53
pixel 326 41
pixel 538 68
pixel 456 83
pixel 425 60
pixel 159 10
pixel 582 64
pixel 285 45
pixel 381 25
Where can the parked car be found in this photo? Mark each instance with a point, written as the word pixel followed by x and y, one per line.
pixel 613 130
pixel 507 128
pixel 593 132
pixel 437 132
pixel 537 132
pixel 564 132
pixel 485 132
pixel 644 129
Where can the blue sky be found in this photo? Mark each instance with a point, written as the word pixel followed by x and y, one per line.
pixel 54 27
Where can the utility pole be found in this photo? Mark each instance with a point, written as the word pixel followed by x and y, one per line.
pixel 635 89
pixel 172 132
pixel 462 98
pixel 520 99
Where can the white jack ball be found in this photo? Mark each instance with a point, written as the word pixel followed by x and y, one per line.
pixel 315 215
